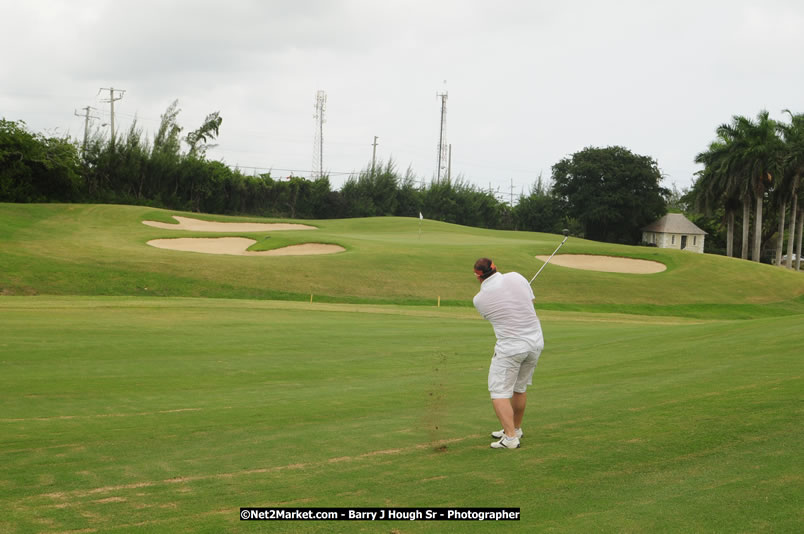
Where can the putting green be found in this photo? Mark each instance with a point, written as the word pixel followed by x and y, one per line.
pixel 101 249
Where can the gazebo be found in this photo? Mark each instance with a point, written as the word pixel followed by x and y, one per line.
pixel 674 231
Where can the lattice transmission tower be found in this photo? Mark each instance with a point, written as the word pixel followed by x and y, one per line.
pixel 443 148
pixel 318 140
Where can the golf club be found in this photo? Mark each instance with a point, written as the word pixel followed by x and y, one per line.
pixel 566 236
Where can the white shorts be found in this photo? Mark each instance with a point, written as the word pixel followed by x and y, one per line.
pixel 510 374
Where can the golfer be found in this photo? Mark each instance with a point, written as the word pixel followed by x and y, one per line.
pixel 506 301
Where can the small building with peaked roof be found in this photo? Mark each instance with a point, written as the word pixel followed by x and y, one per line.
pixel 674 231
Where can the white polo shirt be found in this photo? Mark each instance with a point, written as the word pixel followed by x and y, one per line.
pixel 506 301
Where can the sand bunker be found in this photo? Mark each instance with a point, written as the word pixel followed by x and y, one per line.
pixel 197 225
pixel 236 246
pixel 609 264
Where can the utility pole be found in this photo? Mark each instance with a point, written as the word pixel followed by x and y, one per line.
pixel 111 102
pixel 449 164
pixel 512 193
pixel 374 155
pixel 442 138
pixel 86 116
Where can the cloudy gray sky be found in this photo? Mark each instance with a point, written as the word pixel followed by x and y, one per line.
pixel 529 82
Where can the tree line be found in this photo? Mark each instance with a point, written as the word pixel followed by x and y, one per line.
pixel 605 194
pixel 754 168
pixel 171 170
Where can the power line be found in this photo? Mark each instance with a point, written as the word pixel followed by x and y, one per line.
pixel 300 171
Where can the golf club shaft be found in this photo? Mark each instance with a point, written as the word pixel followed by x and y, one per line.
pixel 548 259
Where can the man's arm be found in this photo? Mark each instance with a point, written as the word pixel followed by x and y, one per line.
pixel 478 303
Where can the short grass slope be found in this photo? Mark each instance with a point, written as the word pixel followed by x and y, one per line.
pixel 101 250
pixel 167 415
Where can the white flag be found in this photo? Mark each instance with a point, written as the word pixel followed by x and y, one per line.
pixel 421 216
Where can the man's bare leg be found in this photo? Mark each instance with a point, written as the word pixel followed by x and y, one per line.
pixel 518 403
pixel 505 413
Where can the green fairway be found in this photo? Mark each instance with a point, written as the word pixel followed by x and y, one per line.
pixel 148 390
pixel 170 414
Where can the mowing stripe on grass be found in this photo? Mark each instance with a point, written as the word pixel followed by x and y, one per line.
pixel 633 425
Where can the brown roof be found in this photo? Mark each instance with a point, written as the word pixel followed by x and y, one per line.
pixel 673 223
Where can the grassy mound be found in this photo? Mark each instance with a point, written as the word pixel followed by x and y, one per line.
pixel 100 250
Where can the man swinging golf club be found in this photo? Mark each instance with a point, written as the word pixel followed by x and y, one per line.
pixel 506 301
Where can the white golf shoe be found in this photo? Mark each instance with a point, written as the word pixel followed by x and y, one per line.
pixel 500 433
pixel 506 443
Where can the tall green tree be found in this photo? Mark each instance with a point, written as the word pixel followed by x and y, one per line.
pixel 165 153
pixel 198 140
pixel 35 168
pixel 409 198
pixel 611 191
pixel 725 166
pixel 793 136
pixel 718 187
pixel 540 211
pixel 756 156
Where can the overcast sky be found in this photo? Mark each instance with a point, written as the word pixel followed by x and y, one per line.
pixel 528 82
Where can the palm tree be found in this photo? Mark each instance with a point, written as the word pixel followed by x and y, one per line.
pixel 800 235
pixel 731 163
pixel 793 136
pixel 717 187
pixel 779 200
pixel 756 152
